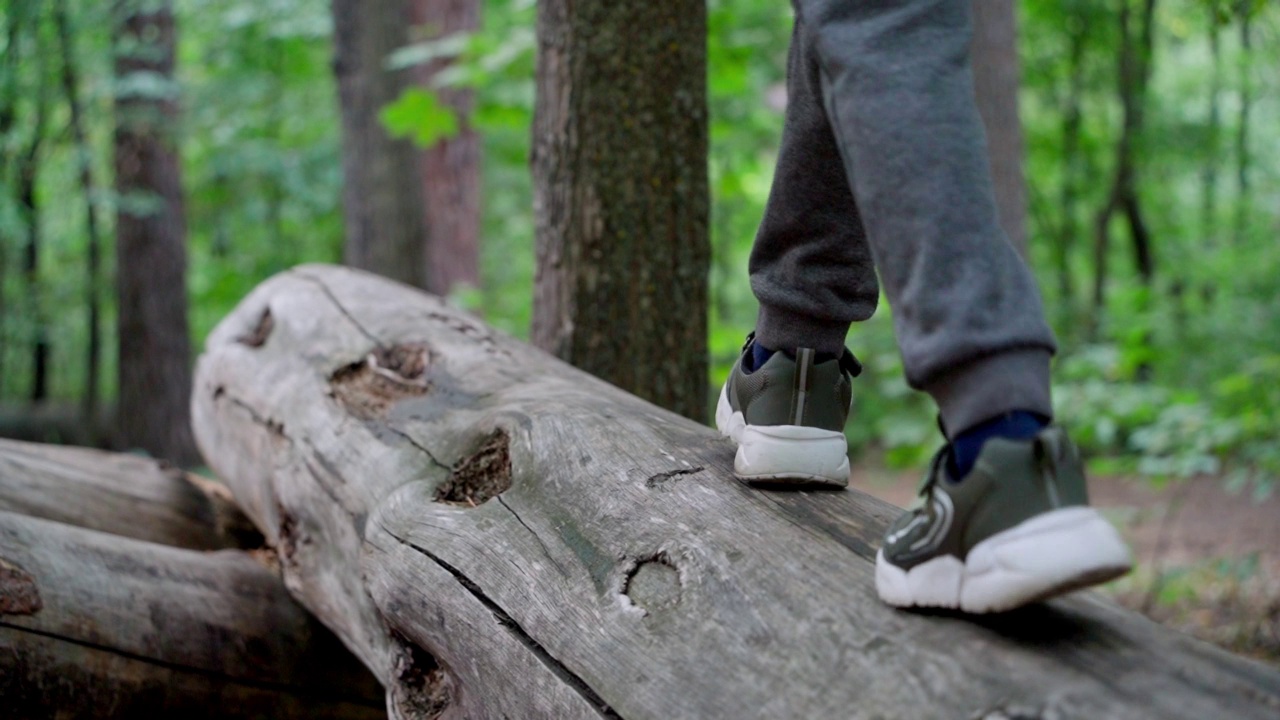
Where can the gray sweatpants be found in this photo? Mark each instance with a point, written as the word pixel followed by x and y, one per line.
pixel 883 166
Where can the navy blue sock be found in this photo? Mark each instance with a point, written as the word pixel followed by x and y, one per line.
pixel 758 357
pixel 761 354
pixel 1014 425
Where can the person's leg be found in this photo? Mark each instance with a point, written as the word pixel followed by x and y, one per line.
pixel 787 410
pixel 933 222
pixel 1015 526
pixel 811 268
pixel 899 94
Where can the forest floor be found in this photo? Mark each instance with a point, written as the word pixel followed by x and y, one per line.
pixel 1208 560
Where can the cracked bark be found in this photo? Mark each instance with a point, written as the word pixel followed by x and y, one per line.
pixel 623 572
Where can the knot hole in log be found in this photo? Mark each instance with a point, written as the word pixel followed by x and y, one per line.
pixel 423 689
pixel 369 387
pixel 481 476
pixel 257 336
pixel 653 584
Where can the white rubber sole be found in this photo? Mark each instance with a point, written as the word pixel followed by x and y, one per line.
pixel 1048 555
pixel 791 454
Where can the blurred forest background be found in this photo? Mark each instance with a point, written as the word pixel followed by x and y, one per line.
pixel 1149 146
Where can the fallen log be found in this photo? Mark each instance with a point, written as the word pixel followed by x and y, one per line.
pixel 496 534
pixel 145 610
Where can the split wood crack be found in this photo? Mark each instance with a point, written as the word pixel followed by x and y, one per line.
pixel 545 550
pixel 342 309
pixel 505 620
pixel 656 480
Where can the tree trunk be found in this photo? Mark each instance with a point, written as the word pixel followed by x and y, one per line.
pixel 84 157
pixel 1073 174
pixel 1242 124
pixel 620 195
pixel 165 618
pixel 10 61
pixel 1136 45
pixel 151 258
pixel 451 167
pixel 28 176
pixel 995 82
pixel 497 534
pixel 1213 127
pixel 273 187
pixel 382 181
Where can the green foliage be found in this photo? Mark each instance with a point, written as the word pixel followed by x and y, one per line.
pixel 420 116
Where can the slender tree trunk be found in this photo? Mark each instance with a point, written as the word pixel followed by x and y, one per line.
pixel 1143 252
pixel 451 167
pixel 1136 44
pixel 84 156
pixel 1072 163
pixel 1210 234
pixel 1213 127
pixel 382 190
pixel 995 82
pixel 28 177
pixel 9 62
pixel 155 349
pixel 274 190
pixel 620 194
pixel 1242 127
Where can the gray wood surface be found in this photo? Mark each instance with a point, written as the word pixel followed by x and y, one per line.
pixel 157 624
pixel 127 495
pixel 497 534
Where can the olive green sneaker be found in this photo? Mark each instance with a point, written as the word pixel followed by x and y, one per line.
pixel 787 417
pixel 1017 529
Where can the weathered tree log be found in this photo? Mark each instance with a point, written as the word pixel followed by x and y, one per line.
pixel 497 534
pixel 158 619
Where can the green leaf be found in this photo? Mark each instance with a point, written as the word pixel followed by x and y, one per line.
pixel 420 116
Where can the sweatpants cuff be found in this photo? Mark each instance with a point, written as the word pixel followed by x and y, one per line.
pixel 779 329
pixel 991 386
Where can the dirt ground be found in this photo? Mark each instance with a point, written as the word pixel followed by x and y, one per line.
pixel 1208 560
